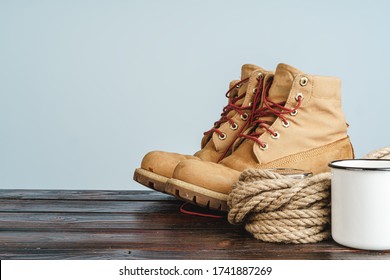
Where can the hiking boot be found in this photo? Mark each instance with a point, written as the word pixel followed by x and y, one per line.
pixel 158 166
pixel 298 125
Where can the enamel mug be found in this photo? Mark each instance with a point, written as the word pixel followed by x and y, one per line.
pixel 360 206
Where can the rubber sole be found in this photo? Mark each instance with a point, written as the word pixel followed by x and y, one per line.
pixel 150 179
pixel 197 195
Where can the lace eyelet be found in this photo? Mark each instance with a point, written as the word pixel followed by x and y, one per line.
pixel 276 135
pixel 222 136
pixel 286 124
pixel 294 113
pixel 234 126
pixel 303 81
pixel 244 116
pixel 259 75
pixel 264 146
pixel 299 96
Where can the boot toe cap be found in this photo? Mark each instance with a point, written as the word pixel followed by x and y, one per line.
pixel 208 175
pixel 163 163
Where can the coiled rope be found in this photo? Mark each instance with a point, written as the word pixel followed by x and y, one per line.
pixel 277 208
pixel 383 153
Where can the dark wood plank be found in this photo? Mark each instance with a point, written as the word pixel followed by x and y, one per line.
pixel 106 221
pixel 66 224
pixel 96 195
pixel 179 245
pixel 180 240
pixel 125 254
pixel 89 206
pixel 140 239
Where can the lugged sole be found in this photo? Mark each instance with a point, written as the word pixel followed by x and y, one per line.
pixel 150 179
pixel 197 195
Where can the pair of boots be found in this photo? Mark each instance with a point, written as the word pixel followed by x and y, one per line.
pixel 274 120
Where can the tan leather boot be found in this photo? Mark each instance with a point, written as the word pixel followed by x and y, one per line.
pixel 300 125
pixel 158 166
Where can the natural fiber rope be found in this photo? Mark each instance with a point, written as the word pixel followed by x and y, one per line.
pixel 383 153
pixel 276 208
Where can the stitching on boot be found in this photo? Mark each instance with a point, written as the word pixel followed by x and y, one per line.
pixel 307 154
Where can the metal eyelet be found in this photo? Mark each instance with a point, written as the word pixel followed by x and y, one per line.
pixel 259 75
pixel 286 124
pixel 264 146
pixel 234 126
pixel 222 136
pixel 294 113
pixel 250 103
pixel 303 81
pixel 244 116
pixel 238 86
pixel 276 135
pixel 255 90
pixel 299 96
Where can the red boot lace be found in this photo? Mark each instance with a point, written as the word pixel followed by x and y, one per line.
pixel 239 109
pixel 228 108
pixel 201 212
pixel 269 108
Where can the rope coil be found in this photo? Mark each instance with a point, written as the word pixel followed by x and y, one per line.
pixel 276 208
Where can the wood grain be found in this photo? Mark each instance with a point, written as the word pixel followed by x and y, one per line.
pixel 96 195
pixel 50 224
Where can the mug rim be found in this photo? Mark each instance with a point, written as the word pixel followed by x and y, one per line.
pixel 360 168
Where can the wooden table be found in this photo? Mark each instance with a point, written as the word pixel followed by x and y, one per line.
pixel 63 224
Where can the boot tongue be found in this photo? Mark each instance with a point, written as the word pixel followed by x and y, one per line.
pixel 282 83
pixel 247 70
pixel 280 89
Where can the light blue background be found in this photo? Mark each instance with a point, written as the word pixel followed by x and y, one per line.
pixel 88 87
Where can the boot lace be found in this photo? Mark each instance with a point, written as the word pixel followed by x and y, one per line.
pixel 228 108
pixel 273 109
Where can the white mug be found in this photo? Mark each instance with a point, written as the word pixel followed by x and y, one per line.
pixel 360 207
